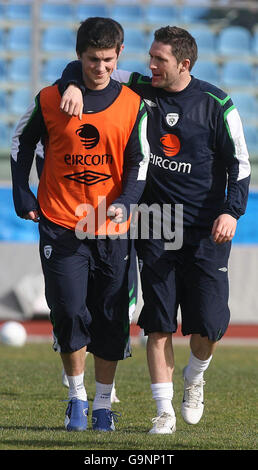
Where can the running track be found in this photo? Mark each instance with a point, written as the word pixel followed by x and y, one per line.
pixel 42 329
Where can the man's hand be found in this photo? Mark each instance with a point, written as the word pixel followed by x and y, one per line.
pixel 32 215
pixel 115 214
pixel 72 102
pixel 224 228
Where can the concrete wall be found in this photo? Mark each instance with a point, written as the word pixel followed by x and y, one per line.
pixel 22 287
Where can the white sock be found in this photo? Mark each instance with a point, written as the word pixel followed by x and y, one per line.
pixel 195 369
pixel 76 387
pixel 163 395
pixel 103 396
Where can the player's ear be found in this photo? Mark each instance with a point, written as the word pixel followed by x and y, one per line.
pixel 121 50
pixel 185 64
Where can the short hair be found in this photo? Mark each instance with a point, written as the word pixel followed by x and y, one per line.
pixel 100 33
pixel 183 45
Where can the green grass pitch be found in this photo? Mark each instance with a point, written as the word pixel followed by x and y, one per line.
pixel 32 403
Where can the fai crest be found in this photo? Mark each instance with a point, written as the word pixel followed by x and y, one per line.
pixel 47 251
pixel 172 119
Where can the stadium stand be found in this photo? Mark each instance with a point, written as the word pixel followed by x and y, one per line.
pixel 2 39
pixel 3 102
pixel 226 34
pixel 58 39
pixel 234 41
pixel 52 69
pixel 194 15
pixel 206 40
pixel 246 104
pixel 251 137
pixel 207 70
pixel 83 11
pixel 19 69
pixel 156 15
pixel 4 135
pixel 135 41
pixel 3 71
pixel 56 12
pixel 18 38
pixel 121 2
pixel 255 43
pixel 133 65
pixel 19 101
pixel 237 74
pixel 127 14
pixel 17 11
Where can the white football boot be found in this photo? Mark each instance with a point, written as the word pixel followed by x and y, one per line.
pixel 114 398
pixel 192 404
pixel 163 424
pixel 65 379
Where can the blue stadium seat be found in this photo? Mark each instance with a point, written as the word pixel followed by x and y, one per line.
pixel 83 11
pixel 18 38
pixel 2 39
pixel 126 2
pixel 52 69
pixel 251 137
pixel 205 39
pixel 127 14
pixel 19 69
pixel 237 74
pixel 135 41
pixel 18 11
pixel 19 101
pixel 161 15
pixel 4 135
pixel 58 39
pixel 3 101
pixel 133 65
pixel 234 40
pixel 246 103
pixel 155 2
pixel 56 12
pixel 3 70
pixel 208 71
pixel 255 43
pixel 194 15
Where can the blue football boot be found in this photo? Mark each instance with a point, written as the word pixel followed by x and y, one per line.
pixel 103 420
pixel 76 415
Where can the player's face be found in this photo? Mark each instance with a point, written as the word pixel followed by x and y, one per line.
pixel 97 66
pixel 166 72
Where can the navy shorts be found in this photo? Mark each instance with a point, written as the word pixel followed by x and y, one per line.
pixel 193 278
pixel 89 285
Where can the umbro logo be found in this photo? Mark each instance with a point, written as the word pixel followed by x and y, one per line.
pixel 224 270
pixel 88 177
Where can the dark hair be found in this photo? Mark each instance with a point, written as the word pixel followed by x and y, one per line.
pixel 100 33
pixel 183 45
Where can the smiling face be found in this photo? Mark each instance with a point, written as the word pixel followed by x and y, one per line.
pixel 97 66
pixel 167 73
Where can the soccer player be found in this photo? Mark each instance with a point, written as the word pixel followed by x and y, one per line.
pixel 93 171
pixel 39 159
pixel 199 162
